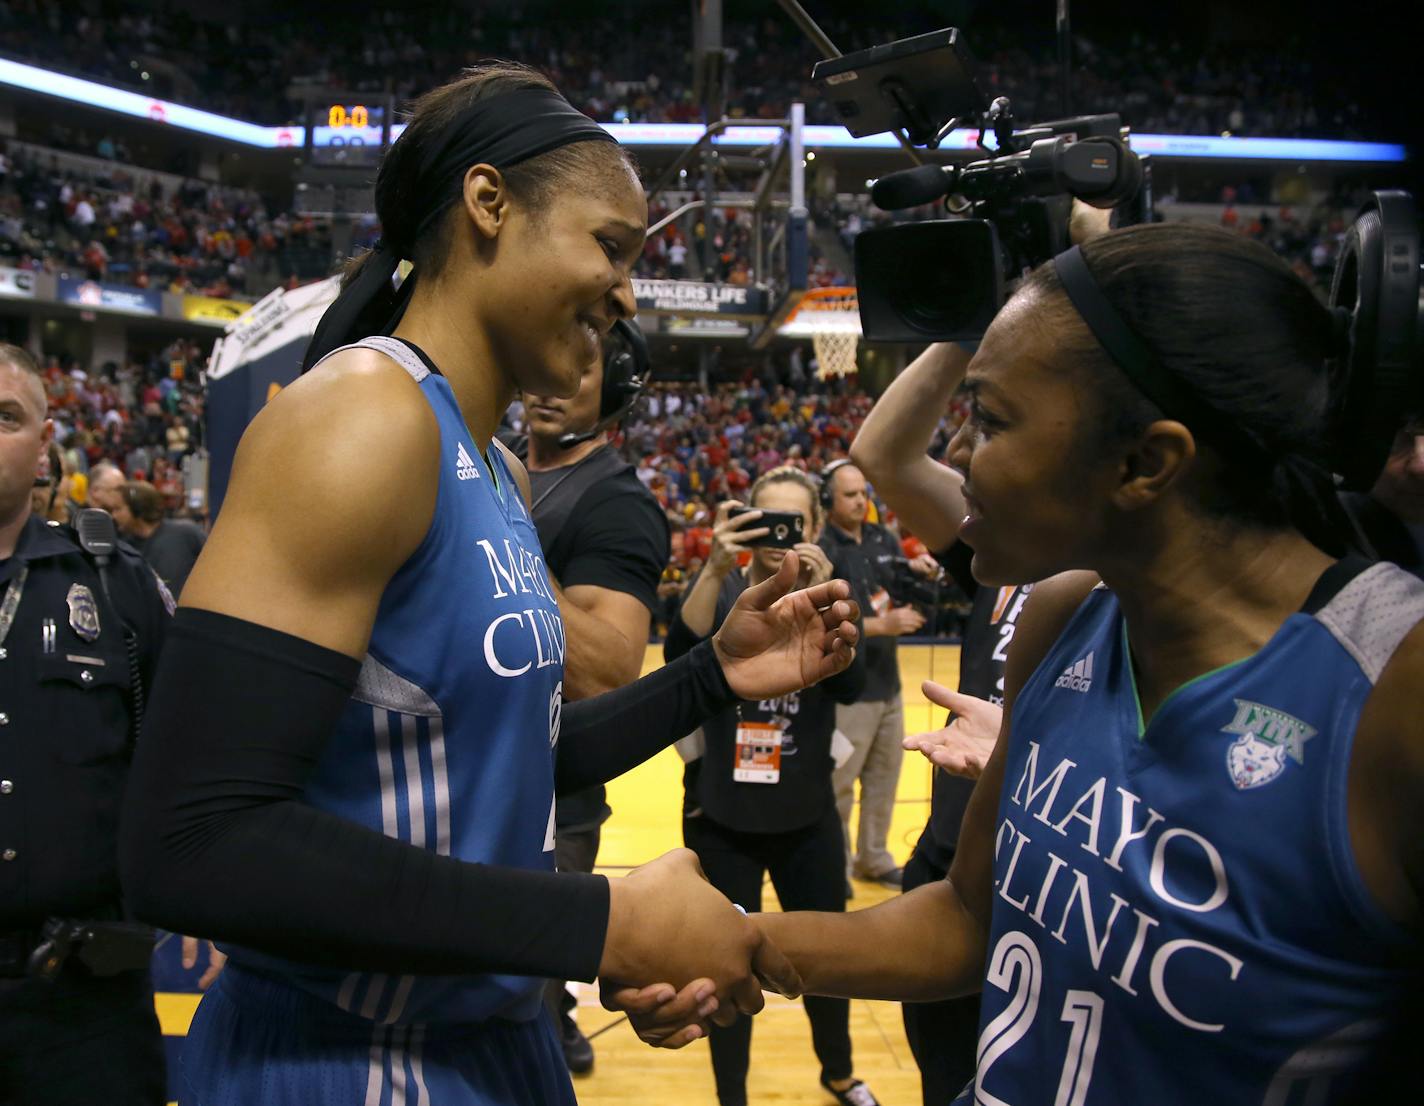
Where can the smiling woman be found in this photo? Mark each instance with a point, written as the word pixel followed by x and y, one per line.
pixel 364 729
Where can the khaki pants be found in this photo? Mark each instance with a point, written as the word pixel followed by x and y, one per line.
pixel 875 730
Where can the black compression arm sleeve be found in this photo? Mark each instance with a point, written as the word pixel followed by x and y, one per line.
pixel 216 841
pixel 605 736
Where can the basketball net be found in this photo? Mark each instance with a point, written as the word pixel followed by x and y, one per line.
pixel 832 315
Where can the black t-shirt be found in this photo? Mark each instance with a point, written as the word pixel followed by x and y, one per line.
pixel 616 537
pixel 869 566
pixel 172 550
pixel 807 720
pixel 987 634
pixel 613 536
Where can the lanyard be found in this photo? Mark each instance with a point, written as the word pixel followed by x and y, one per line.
pixel 12 602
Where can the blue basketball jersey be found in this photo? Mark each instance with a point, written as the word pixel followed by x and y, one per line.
pixel 1177 913
pixel 448 741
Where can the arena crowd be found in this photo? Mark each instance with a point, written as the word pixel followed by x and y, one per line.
pixel 1161 84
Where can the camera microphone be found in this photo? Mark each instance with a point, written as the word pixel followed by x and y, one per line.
pixel 1099 170
pixel 924 184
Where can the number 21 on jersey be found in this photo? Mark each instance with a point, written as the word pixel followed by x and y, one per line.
pixel 1016 967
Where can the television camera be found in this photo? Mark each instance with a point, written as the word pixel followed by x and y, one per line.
pixel 945 279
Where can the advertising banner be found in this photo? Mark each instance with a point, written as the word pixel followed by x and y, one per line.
pixel 110 297
pixel 216 312
pixel 16 282
pixel 693 297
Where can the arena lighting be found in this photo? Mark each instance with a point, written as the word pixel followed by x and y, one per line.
pixel 79 91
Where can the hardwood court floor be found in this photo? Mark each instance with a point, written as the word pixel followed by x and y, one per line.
pixel 646 823
pixel 646 805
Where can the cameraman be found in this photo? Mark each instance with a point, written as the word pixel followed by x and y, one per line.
pixel 867 555
pixel 78 1017
pixel 605 542
pixel 760 798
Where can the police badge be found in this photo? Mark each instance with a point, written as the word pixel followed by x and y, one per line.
pixel 83 612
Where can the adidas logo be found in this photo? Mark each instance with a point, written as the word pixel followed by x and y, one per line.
pixel 465 467
pixel 1077 677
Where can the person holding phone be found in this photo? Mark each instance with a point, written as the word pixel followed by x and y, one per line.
pixel 759 798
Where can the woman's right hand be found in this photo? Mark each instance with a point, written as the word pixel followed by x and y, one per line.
pixel 732 536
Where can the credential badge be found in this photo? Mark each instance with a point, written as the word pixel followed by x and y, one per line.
pixel 83 612
pixel 1268 737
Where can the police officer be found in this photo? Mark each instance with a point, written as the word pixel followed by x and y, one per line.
pixel 605 542
pixel 77 643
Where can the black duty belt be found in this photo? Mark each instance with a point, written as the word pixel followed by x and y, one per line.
pixel 104 948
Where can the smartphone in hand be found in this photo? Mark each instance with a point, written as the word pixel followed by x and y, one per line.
pixel 784 528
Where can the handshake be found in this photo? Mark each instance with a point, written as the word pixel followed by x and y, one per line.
pixel 666 923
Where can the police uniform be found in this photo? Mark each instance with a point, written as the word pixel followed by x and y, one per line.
pixel 66 726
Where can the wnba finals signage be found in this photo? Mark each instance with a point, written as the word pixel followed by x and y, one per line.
pixel 694 297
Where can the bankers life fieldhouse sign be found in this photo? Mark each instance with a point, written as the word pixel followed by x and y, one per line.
pixel 691 297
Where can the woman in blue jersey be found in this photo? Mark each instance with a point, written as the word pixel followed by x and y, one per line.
pixel 353 744
pixel 1192 869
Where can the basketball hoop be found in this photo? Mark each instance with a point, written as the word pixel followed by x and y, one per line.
pixel 831 318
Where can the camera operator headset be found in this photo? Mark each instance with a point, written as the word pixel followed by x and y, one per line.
pixel 866 554
pixel 605 543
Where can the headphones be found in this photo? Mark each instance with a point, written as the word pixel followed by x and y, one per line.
pixel 828 473
pixel 1379 374
pixel 627 371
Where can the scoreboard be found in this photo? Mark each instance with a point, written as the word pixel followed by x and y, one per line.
pixel 347 133
pixel 344 129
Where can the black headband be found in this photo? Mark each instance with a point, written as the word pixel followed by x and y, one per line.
pixel 502 131
pixel 1131 354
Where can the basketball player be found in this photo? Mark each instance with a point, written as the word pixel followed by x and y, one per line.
pixel 1191 871
pixel 353 745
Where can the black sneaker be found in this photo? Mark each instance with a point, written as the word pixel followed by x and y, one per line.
pixel 578 1050
pixel 857 1094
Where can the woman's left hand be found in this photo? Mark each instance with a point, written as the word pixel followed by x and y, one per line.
pixel 772 642
pixel 815 565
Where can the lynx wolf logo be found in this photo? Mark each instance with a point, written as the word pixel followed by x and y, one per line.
pixel 1268 736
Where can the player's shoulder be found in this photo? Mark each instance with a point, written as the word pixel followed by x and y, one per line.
pixel 359 419
pixel 1046 614
pixel 359 427
pixel 361 386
